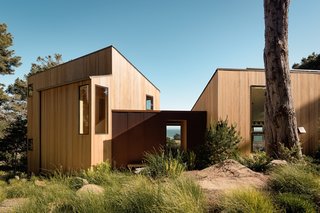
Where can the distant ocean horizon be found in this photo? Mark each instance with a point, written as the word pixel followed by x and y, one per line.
pixel 172 132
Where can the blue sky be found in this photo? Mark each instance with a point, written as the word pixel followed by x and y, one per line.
pixel 177 44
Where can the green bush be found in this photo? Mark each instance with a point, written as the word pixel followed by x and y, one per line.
pixel 161 164
pixel 294 203
pixel 289 154
pixel 295 179
pixel 258 161
pixel 247 200
pixel 221 143
pixel 98 174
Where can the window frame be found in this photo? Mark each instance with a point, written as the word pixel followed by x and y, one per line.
pixel 106 113
pixel 149 97
pixel 79 98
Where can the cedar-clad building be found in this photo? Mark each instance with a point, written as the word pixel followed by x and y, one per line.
pixel 96 108
pixel 239 95
pixel 70 109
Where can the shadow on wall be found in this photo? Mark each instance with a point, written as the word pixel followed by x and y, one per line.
pixel 135 133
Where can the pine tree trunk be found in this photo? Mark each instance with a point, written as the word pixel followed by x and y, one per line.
pixel 280 120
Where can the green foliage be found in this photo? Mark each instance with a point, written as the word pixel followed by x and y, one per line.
pixel 257 161
pixel 248 201
pixel 98 174
pixel 295 178
pixel 312 62
pixel 13 146
pixel 221 143
pixel 289 154
pixel 135 193
pixel 45 63
pixel 139 195
pixel 18 89
pixel 294 203
pixel 181 195
pixel 2 194
pixel 160 164
pixel 7 59
pixel 190 160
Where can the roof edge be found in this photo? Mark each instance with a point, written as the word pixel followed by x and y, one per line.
pixel 135 68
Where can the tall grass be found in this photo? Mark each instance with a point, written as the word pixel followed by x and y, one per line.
pixel 289 202
pixel 123 193
pixel 296 179
pixel 182 195
pixel 160 164
pixel 247 200
pixel 2 194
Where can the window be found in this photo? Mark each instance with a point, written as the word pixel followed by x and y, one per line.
pixel 173 136
pixel 30 90
pixel 257 118
pixel 149 102
pixel 84 109
pixel 176 135
pixel 101 114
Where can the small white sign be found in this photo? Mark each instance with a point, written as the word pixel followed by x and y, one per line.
pixel 301 130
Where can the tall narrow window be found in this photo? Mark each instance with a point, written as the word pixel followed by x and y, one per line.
pixel 257 117
pixel 101 114
pixel 30 90
pixel 84 109
pixel 149 102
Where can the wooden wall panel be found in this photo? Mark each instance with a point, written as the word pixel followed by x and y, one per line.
pixel 208 100
pixel 149 133
pixel 93 64
pixel 61 144
pixel 130 87
pixel 234 102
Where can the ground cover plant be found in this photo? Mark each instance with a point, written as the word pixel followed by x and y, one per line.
pixel 122 192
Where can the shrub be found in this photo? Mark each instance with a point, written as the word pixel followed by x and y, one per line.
pixel 294 179
pixel 289 202
pixel 247 200
pixel 221 143
pixel 258 161
pixel 98 174
pixel 289 154
pixel 160 165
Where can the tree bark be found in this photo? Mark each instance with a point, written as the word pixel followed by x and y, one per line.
pixel 280 120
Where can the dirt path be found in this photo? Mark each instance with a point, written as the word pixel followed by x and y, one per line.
pixel 226 176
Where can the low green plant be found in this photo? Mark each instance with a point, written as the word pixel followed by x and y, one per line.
pixel 53 197
pixel 18 188
pixel 98 174
pixel 289 202
pixel 138 195
pixel 160 164
pixel 221 143
pixel 258 161
pixel 182 195
pixel 289 154
pixel 2 194
pixel 296 179
pixel 190 160
pixel 247 200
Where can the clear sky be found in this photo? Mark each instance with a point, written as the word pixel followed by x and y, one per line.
pixel 177 44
